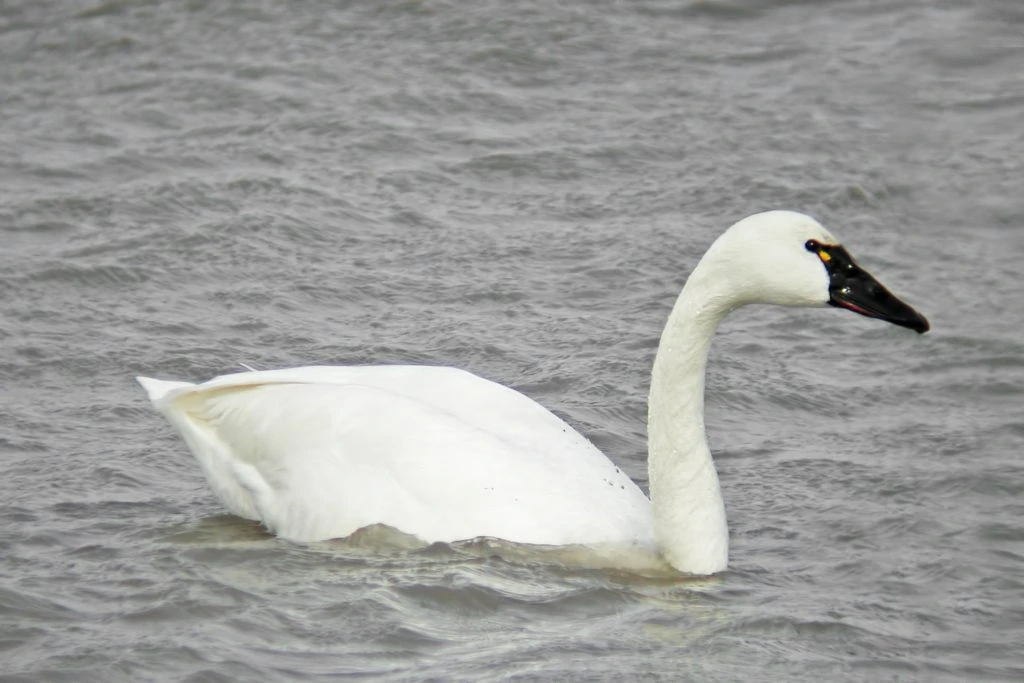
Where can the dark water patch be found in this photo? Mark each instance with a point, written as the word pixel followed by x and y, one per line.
pixel 40 227
pixel 92 275
pixel 542 164
pixel 1002 533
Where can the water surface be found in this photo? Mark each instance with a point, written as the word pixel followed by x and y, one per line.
pixel 520 190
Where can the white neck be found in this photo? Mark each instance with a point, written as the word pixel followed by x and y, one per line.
pixel 689 513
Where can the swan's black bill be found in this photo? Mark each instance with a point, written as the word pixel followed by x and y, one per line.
pixel 853 288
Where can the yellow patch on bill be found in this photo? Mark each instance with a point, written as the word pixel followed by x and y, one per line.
pixel 823 255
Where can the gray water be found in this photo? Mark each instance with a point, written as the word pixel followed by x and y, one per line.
pixel 519 189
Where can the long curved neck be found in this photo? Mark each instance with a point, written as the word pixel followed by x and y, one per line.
pixel 689 513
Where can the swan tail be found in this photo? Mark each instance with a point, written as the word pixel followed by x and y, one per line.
pixel 238 485
pixel 162 392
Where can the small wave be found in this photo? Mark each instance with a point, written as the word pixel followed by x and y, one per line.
pixel 93 275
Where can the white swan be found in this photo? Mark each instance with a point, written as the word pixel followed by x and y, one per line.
pixel 320 452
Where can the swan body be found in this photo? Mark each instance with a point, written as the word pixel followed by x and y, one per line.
pixel 437 452
pixel 321 452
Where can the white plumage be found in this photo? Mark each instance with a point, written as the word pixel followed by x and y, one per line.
pixel 437 452
pixel 320 452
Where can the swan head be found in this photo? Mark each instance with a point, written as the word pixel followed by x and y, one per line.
pixel 789 259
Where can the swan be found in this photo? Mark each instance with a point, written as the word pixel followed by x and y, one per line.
pixel 316 453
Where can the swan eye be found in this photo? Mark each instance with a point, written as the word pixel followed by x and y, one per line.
pixel 816 247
